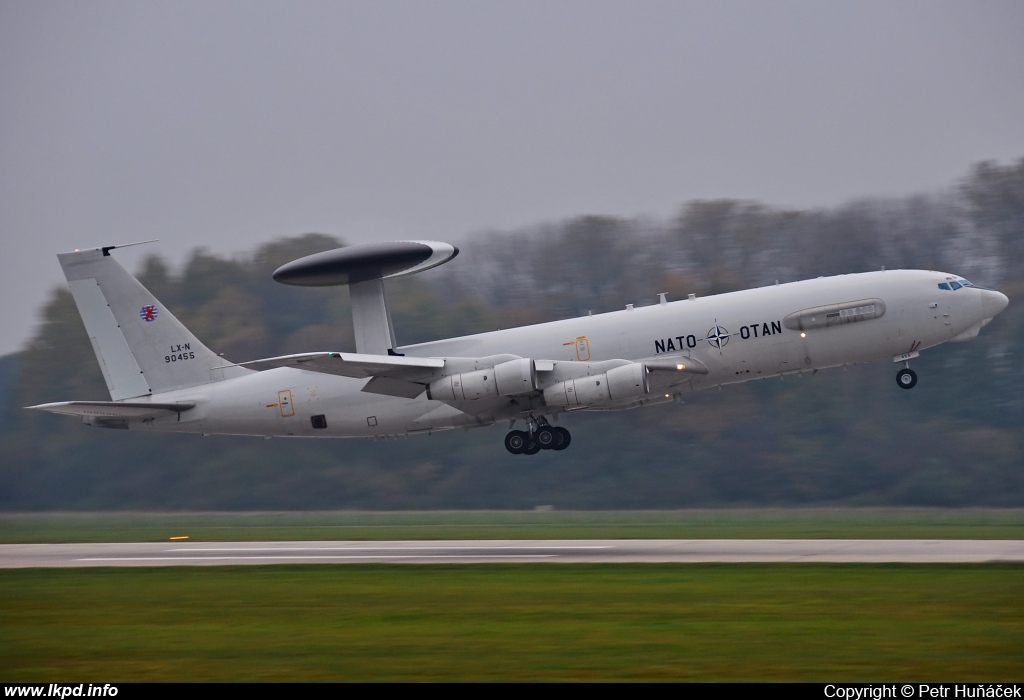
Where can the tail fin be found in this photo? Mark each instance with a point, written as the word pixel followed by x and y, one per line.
pixel 141 347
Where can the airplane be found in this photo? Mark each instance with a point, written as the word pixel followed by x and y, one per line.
pixel 161 378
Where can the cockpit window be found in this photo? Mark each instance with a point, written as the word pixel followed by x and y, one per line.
pixel 954 284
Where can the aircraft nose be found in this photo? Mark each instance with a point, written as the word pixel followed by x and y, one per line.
pixel 992 302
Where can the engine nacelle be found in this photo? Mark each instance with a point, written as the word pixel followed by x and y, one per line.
pixel 516 377
pixel 617 384
pixel 510 378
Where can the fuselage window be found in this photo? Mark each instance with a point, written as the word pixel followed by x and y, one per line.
pixel 943 285
pixel 966 283
pixel 955 285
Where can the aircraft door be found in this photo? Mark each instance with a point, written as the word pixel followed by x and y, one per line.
pixel 582 349
pixel 624 346
pixel 951 306
pixel 285 403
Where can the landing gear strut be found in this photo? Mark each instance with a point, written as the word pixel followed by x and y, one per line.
pixel 906 378
pixel 541 436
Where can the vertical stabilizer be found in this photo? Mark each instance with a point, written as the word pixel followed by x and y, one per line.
pixel 141 347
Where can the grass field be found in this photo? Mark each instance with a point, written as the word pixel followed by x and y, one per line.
pixel 685 524
pixel 805 622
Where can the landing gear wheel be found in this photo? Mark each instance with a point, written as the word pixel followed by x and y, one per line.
pixel 562 438
pixel 515 442
pixel 532 447
pixel 545 437
pixel 906 378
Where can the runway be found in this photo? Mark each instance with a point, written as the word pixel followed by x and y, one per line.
pixel 508 551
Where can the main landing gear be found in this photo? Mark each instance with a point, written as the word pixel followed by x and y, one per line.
pixel 540 436
pixel 906 378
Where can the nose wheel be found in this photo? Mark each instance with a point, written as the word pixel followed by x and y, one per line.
pixel 906 378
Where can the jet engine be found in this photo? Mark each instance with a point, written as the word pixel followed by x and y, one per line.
pixel 510 378
pixel 619 383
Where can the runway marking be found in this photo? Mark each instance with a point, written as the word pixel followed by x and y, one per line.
pixel 505 551
pixel 331 556
pixel 412 548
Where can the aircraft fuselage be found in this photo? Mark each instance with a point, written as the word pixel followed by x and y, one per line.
pixel 739 336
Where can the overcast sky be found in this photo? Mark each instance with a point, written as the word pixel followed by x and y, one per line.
pixel 227 124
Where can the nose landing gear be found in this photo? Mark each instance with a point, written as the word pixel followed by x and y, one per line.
pixel 906 378
pixel 541 436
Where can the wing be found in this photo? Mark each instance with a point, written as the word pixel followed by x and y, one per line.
pixel 469 379
pixel 390 375
pixel 115 409
pixel 351 364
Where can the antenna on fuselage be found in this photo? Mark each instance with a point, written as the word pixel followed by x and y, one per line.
pixel 364 268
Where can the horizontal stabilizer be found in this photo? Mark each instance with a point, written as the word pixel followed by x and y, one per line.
pixel 350 364
pixel 115 409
